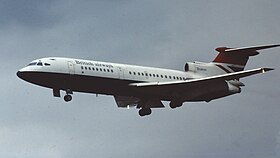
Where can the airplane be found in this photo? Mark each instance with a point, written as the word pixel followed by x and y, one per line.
pixel 146 87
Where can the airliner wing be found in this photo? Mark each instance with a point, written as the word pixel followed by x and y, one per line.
pixel 186 85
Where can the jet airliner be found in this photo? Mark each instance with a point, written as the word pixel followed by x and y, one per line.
pixel 146 87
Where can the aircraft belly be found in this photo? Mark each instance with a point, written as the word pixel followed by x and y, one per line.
pixel 80 83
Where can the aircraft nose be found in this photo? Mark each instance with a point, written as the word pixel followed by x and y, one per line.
pixel 20 74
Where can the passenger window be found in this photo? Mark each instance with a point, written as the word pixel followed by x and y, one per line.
pixel 104 70
pixel 93 69
pixel 86 68
pixel 170 77
pixel 112 71
pixel 157 75
pixel 96 69
pixel 154 75
pixel 82 67
pixel 108 70
pixel 89 68
pixel 139 73
pixel 161 76
pixel 134 73
pixel 165 76
pixel 130 72
pixel 100 69
pixel 142 74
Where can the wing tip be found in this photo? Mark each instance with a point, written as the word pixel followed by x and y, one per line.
pixel 267 69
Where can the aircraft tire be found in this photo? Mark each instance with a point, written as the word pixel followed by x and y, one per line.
pixel 174 105
pixel 145 111
pixel 67 98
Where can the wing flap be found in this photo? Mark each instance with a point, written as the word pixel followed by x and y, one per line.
pixel 129 101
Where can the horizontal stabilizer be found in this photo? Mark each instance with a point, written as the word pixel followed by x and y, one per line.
pixel 239 56
pixel 246 49
pixel 255 48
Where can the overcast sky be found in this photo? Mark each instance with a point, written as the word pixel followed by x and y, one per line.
pixel 157 33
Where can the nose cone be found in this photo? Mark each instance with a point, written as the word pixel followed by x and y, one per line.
pixel 21 75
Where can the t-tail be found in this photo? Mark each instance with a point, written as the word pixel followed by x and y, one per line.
pixel 235 59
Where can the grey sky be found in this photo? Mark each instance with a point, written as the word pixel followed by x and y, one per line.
pixel 148 32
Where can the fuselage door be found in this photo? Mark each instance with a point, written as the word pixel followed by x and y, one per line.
pixel 71 67
pixel 121 72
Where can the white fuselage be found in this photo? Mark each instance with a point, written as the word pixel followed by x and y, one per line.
pixel 97 77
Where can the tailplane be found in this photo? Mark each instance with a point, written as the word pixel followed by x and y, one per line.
pixel 235 59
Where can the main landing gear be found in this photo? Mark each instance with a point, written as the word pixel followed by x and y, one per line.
pixel 145 111
pixel 68 97
pixel 175 104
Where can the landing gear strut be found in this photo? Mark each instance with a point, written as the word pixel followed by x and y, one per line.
pixel 68 97
pixel 145 111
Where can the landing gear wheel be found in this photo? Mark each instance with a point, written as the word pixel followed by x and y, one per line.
pixel 67 98
pixel 174 104
pixel 145 111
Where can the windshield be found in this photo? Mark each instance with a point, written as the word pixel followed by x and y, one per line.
pixel 32 63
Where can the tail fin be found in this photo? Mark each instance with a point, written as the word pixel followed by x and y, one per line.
pixel 236 59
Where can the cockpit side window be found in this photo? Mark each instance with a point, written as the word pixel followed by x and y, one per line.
pixel 32 63
pixel 40 63
pixel 47 64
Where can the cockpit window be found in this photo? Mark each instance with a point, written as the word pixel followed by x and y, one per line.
pixel 32 63
pixel 40 63
pixel 47 64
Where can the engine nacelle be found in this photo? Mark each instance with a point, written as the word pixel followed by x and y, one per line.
pixel 203 69
pixel 200 68
pixel 190 67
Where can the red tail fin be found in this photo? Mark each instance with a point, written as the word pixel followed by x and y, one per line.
pixel 230 58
